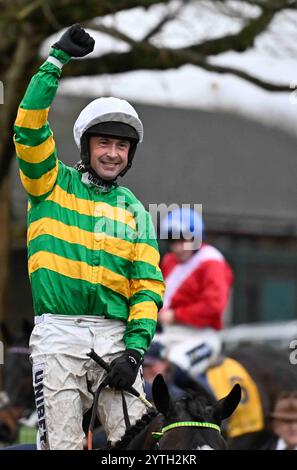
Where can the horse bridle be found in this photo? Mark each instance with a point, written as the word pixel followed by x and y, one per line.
pixel 184 424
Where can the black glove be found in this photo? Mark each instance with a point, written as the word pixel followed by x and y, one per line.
pixel 75 41
pixel 124 370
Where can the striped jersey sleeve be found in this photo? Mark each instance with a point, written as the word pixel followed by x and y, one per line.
pixel 34 142
pixel 146 288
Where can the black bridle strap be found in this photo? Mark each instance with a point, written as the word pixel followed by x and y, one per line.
pixel 93 416
pixel 125 411
pixel 94 413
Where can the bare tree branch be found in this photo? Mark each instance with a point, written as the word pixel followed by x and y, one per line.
pixel 50 17
pixel 159 59
pixel 113 32
pixel 274 5
pixel 28 9
pixel 163 21
pixel 265 85
pixel 237 42
pixel 68 12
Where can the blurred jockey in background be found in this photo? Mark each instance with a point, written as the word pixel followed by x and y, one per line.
pixel 198 283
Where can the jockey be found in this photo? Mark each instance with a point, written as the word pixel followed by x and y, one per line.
pixel 92 256
pixel 198 283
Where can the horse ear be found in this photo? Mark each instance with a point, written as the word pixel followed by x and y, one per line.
pixel 6 334
pixel 161 395
pixel 225 407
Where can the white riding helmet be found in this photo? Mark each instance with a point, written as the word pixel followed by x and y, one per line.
pixel 106 110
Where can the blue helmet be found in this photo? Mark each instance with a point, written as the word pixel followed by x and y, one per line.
pixel 182 223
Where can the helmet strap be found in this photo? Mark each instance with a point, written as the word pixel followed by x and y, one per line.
pixel 132 150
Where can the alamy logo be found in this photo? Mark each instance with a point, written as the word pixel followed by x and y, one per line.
pixel 131 222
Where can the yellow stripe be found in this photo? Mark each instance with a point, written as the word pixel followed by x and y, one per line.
pixel 31 118
pixel 42 185
pixel 114 281
pixel 91 208
pixel 71 202
pixel 72 234
pixel 36 154
pixel 143 311
pixel 102 209
pixel 115 246
pixel 79 270
pixel 146 253
pixel 137 285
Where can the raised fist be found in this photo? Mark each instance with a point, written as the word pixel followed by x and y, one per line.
pixel 75 41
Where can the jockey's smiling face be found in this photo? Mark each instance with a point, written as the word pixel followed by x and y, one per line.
pixel 108 156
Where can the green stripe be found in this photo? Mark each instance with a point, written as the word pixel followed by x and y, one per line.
pixel 146 230
pixel 146 296
pixel 115 305
pixel 42 87
pixel 77 252
pixel 55 293
pixel 36 170
pixel 143 270
pixel 72 218
pixel 32 137
pixel 35 200
pixel 139 334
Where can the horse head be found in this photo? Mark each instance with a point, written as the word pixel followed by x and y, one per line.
pixel 194 421
pixel 191 422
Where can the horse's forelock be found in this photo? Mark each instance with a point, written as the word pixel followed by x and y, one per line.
pixel 199 408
